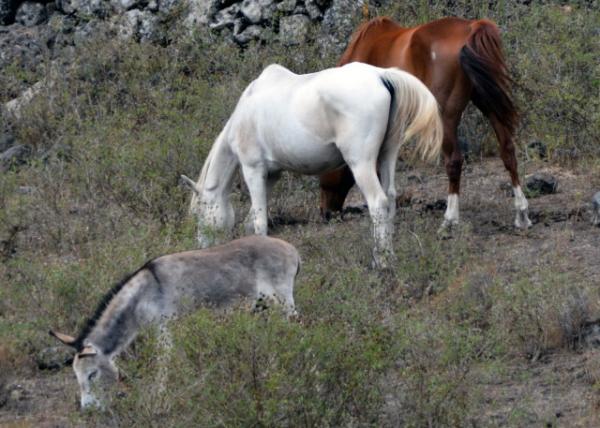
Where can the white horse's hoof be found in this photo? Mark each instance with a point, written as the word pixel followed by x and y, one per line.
pixel 522 220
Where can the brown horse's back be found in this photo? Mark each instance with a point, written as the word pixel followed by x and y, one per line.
pixel 459 60
pixel 384 43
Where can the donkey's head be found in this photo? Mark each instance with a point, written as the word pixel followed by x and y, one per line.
pixel 95 371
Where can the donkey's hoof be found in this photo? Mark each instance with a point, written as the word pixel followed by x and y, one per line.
pixel 522 220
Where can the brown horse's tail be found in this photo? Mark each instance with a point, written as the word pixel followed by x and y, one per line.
pixel 483 62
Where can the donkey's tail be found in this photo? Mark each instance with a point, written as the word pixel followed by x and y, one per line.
pixel 414 112
pixel 483 62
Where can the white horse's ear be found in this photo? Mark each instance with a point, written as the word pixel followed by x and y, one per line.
pixel 64 338
pixel 190 183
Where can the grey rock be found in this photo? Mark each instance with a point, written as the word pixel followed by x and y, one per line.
pixel 14 107
pixel 167 6
pixel 84 8
pixel 22 46
pixel 129 4
pixel 225 17
pixel 252 32
pixel 256 11
pixel 339 21
pixel 139 25
pixel 8 8
pixel 287 6
pixel 252 11
pixel 197 13
pixel 148 29
pixel 129 24
pixel 30 14
pixel 153 6
pixel 596 209
pixel 90 30
pixel 313 10
pixel 64 24
pixel 14 156
pixel 293 29
pixel 542 183
pixel 53 358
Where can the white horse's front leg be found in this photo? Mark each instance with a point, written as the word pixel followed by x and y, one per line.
pixel 522 206
pixel 256 180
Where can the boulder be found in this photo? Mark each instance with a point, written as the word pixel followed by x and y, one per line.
pixel 541 183
pixel 30 14
pixel 252 32
pixel 85 8
pixel 293 29
pixel 287 6
pixel 225 17
pixel 252 10
pixel 14 107
pixel 129 4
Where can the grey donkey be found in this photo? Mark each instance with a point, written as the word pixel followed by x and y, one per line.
pixel 255 269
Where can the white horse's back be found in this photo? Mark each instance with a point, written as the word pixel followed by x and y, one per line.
pixel 357 114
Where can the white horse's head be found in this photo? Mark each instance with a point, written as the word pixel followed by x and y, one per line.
pixel 96 373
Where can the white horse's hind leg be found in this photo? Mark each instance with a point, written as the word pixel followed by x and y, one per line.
pixel 379 209
pixel 387 170
pixel 256 180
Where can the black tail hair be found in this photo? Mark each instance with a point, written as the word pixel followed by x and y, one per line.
pixel 483 62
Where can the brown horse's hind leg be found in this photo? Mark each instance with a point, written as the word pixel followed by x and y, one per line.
pixel 453 159
pixel 507 153
pixel 335 186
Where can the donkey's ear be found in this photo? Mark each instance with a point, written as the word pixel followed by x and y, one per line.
pixel 190 183
pixel 64 338
pixel 87 351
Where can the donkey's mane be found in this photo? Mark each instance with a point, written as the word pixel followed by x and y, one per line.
pixel 91 322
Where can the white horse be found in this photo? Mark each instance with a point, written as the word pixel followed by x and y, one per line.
pixel 357 115
pixel 256 268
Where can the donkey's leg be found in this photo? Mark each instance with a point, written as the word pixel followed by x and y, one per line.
pixel 163 360
pixel 379 209
pixel 256 180
pixel 507 153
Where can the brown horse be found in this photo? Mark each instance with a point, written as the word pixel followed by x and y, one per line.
pixel 459 60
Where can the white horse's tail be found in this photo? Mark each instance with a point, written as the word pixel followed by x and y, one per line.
pixel 414 112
